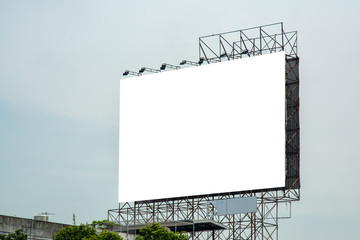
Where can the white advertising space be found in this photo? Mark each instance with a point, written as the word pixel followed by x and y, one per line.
pixel 201 130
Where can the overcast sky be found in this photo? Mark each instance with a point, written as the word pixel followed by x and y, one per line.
pixel 60 65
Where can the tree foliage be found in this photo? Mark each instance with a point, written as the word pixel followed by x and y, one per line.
pixel 106 235
pixel 96 231
pixel 156 231
pixel 18 235
pixel 103 224
pixel 86 232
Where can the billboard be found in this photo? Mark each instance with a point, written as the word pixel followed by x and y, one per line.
pixel 202 130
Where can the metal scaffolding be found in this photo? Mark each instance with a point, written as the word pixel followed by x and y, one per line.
pixel 262 224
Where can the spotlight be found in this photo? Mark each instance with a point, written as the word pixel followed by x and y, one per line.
pixel 245 52
pixel 183 62
pixel 164 65
pixel 143 69
pixel 201 61
pixel 127 72
pixel 225 55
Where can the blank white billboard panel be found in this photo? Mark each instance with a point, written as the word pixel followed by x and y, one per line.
pixel 201 130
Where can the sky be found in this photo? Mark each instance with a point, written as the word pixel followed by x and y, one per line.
pixel 60 66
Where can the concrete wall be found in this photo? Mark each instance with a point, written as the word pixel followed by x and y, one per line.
pixel 35 229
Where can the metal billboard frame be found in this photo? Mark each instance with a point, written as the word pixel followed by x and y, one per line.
pixel 262 224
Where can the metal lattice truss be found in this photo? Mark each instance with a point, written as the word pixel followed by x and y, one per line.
pixel 248 42
pixel 262 224
pixel 292 124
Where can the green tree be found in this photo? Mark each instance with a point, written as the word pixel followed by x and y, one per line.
pixel 86 232
pixel 18 235
pixel 75 232
pixel 105 235
pixel 156 231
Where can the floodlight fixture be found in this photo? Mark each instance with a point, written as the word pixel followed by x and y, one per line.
pixel 127 72
pixel 225 54
pixel 245 52
pixel 143 69
pixel 183 62
pixel 201 61
pixel 164 65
